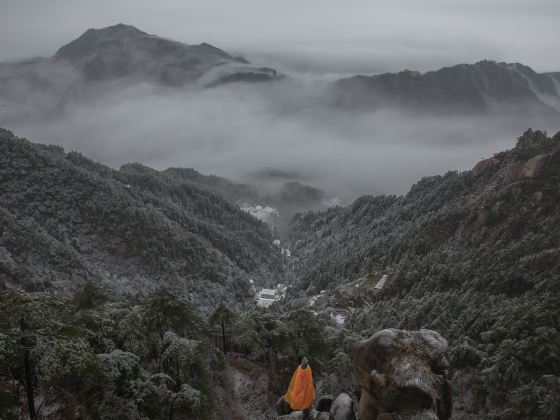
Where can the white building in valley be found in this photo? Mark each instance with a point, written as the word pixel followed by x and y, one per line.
pixel 267 297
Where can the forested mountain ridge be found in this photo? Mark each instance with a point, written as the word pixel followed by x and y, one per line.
pixel 111 59
pixel 66 220
pixel 124 50
pixel 473 255
pixel 481 87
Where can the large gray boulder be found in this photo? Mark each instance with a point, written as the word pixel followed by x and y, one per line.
pixel 343 408
pixel 403 375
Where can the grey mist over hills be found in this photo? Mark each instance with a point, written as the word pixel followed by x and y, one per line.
pixel 127 52
pixel 172 240
pixel 121 95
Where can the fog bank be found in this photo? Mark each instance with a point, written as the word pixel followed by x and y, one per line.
pixel 269 133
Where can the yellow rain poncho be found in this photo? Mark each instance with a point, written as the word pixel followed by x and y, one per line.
pixel 301 392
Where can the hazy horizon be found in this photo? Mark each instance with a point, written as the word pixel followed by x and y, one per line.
pixel 239 131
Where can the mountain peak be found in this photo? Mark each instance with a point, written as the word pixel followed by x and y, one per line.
pixel 122 27
pixel 93 38
pixel 118 29
pixel 122 50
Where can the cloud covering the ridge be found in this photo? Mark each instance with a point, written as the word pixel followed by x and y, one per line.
pixel 284 129
pixel 255 133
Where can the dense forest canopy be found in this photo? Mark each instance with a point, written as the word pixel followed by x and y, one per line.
pixel 126 293
pixel 67 220
pixel 473 255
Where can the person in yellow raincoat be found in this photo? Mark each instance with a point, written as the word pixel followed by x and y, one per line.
pixel 301 392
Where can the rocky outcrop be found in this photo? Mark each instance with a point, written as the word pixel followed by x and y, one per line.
pixel 529 169
pixel 484 166
pixel 533 166
pixel 403 375
pixel 529 139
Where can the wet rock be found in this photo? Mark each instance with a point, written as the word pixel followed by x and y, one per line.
pixel 343 408
pixel 403 375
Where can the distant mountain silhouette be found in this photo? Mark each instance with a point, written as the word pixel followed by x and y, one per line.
pixel 465 87
pixel 123 50
pixel 125 53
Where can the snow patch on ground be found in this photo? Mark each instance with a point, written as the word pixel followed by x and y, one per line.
pixel 339 319
pixel 381 283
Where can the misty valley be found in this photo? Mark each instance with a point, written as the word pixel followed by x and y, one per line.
pixel 190 233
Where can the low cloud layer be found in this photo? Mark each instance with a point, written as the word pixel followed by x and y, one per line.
pixel 268 133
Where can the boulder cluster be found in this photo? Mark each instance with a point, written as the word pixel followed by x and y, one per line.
pixel 401 375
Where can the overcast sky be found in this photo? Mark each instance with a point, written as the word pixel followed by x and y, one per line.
pixel 330 36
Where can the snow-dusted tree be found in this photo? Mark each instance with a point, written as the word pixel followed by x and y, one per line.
pixel 221 323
